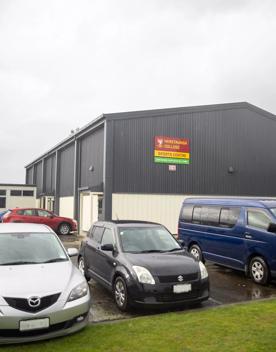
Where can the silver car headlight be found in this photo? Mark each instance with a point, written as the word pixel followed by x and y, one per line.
pixel 203 271
pixel 143 275
pixel 78 292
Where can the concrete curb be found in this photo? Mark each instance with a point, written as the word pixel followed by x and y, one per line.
pixel 219 306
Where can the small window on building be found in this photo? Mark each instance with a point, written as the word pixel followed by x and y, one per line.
pixel 28 193
pixel 16 192
pixel 258 218
pixel 97 234
pixel 100 206
pixel 2 202
pixel 229 217
pixel 3 192
pixel 186 214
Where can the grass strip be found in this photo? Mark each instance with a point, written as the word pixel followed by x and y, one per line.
pixel 243 327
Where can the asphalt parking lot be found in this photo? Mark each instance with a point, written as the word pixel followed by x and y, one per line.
pixel 226 286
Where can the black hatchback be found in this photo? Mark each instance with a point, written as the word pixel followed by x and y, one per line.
pixel 142 263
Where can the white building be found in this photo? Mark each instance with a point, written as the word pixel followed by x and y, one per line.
pixel 17 195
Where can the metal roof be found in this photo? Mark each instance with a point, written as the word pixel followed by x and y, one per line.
pixel 94 124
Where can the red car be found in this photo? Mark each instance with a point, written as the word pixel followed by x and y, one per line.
pixel 59 224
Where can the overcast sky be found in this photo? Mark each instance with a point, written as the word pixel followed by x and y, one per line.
pixel 64 62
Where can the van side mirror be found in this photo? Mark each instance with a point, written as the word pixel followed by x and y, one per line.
pixel 107 247
pixel 271 227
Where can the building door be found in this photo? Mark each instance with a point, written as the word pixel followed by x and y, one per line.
pixel 90 209
pixel 50 203
pixel 42 202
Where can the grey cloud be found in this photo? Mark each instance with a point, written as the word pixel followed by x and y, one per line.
pixel 62 63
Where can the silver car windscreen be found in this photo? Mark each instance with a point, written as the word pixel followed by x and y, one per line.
pixel 30 248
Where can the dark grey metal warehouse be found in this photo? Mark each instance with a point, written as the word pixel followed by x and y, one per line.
pixel 232 150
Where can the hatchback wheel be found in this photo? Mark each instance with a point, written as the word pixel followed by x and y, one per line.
pixel 196 252
pixel 64 229
pixel 120 294
pixel 259 270
pixel 82 268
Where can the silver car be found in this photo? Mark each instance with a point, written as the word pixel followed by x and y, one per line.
pixel 42 294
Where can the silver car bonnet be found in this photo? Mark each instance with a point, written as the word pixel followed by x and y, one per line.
pixel 38 280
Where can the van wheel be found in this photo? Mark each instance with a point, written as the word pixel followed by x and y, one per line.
pixel 196 252
pixel 258 270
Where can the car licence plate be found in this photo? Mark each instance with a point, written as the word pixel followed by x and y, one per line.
pixel 34 324
pixel 182 288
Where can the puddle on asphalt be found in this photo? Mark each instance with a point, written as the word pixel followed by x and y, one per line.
pixel 230 286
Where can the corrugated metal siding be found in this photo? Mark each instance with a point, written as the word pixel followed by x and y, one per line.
pixel 66 174
pixel 29 175
pixel 38 177
pixel 49 172
pixel 91 156
pixel 240 138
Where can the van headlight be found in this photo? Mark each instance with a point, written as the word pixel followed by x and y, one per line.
pixel 203 271
pixel 78 292
pixel 143 275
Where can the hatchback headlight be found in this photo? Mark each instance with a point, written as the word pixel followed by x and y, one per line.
pixel 79 291
pixel 143 275
pixel 203 271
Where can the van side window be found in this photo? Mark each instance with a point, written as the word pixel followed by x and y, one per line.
pixel 258 218
pixel 229 217
pixel 210 215
pixel 187 213
pixel 197 215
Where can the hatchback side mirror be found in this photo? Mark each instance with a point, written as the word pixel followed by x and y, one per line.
pixel 271 227
pixel 181 242
pixel 72 252
pixel 107 247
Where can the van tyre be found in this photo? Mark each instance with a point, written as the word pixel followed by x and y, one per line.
pixel 259 271
pixel 120 294
pixel 64 229
pixel 195 251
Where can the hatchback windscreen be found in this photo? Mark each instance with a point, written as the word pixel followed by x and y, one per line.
pixel 147 240
pixel 30 248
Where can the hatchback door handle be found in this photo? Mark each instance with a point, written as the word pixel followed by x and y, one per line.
pixel 247 235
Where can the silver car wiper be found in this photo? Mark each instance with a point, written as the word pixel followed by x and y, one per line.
pixel 175 249
pixel 152 251
pixel 54 260
pixel 19 263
